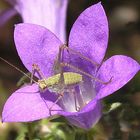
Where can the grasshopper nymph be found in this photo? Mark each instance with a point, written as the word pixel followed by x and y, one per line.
pixel 62 81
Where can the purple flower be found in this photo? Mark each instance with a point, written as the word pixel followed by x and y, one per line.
pixel 48 13
pixel 89 36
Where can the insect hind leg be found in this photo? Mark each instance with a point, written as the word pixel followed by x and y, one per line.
pixel 86 74
pixel 56 101
pixel 65 47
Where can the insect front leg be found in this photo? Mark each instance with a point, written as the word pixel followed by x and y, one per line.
pixel 36 69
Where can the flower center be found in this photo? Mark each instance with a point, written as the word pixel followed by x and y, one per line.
pixel 75 97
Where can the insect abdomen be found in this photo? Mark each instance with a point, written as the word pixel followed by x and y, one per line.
pixel 70 78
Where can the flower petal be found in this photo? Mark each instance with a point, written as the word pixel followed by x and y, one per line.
pixel 121 69
pixel 6 15
pixel 87 117
pixel 48 13
pixel 36 45
pixel 27 104
pixel 89 34
pixel 60 23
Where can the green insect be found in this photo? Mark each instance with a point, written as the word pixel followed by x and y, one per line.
pixel 70 78
pixel 62 82
pixel 67 78
pixel 58 83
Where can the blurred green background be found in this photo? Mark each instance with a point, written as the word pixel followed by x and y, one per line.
pixel 122 123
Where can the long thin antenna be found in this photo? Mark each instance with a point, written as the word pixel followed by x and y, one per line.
pixel 16 68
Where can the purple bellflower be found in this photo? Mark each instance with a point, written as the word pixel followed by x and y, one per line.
pixel 48 13
pixel 89 36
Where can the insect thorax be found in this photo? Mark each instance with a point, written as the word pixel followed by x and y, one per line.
pixel 70 78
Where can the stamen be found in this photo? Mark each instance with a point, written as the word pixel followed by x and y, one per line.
pixel 81 99
pixel 75 99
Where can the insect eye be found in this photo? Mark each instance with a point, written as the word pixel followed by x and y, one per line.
pixel 42 84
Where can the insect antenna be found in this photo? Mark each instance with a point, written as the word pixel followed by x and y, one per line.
pixel 17 69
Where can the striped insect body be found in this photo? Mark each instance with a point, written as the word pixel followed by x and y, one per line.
pixel 53 83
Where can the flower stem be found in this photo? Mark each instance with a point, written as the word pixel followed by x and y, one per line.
pixel 30 131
